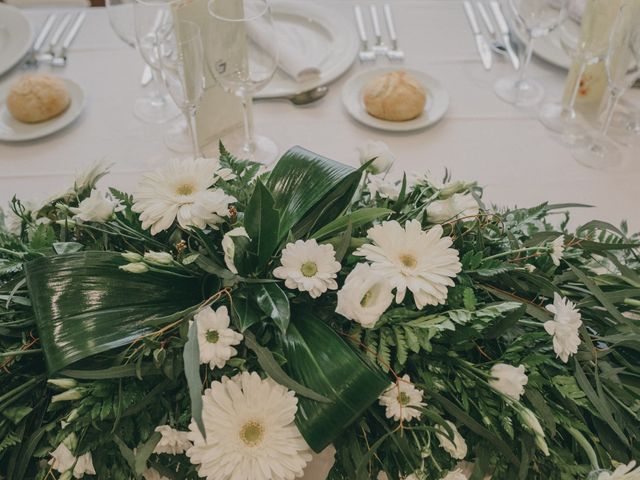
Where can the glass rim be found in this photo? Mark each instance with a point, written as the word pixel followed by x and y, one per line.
pixel 238 20
pixel 156 2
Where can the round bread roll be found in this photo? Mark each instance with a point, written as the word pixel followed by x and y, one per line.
pixel 37 98
pixel 395 96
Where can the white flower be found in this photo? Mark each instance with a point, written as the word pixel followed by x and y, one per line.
pixel 134 268
pixel 382 475
pixel 383 188
pixel 531 421
pixel 622 472
pixel 229 248
pixel 88 177
pixel 402 400
pixel 215 338
pixel 250 432
pixel 309 267
pixel 161 258
pixel 67 396
pixel 414 259
pixel 456 448
pixel 455 474
pixel 97 207
pixel 380 151
pixel 132 256
pixel 508 380
pixel 564 327
pixel 152 474
pixel 457 206
pixel 365 296
pixel 181 191
pixel 557 250
pixel 62 460
pixel 321 464
pixel 172 442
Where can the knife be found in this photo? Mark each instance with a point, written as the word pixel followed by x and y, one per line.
pixel 504 31
pixel 481 42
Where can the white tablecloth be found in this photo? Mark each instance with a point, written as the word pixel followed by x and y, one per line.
pixel 481 138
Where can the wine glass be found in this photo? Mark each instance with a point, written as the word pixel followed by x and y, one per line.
pixel 153 107
pixel 599 151
pixel 587 46
pixel 537 18
pixel 181 55
pixel 243 57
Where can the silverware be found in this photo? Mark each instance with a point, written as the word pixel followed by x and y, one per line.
pixel 365 54
pixel 481 42
pixel 496 42
pixel 55 39
pixel 60 60
pixel 503 26
pixel 379 47
pixel 32 56
pixel 302 98
pixel 147 76
pixel 394 53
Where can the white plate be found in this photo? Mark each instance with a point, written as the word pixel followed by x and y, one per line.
pixel 549 48
pixel 11 130
pixel 434 110
pixel 322 34
pixel 16 37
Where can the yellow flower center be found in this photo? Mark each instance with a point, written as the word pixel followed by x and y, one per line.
pixel 252 433
pixel 213 336
pixel 185 189
pixel 309 269
pixel 408 260
pixel 366 299
pixel 403 399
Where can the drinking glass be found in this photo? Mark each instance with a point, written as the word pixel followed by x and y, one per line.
pixel 153 107
pixel 537 18
pixel 243 57
pixel 181 56
pixel 586 45
pixel 599 151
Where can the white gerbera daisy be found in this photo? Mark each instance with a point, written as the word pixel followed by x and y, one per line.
pixel 182 190
pixel 172 442
pixel 508 380
pixel 455 447
pixel 215 338
pixel 622 472
pixel 564 327
pixel 402 400
pixel 250 432
pixel 308 267
pixel 414 259
pixel 557 250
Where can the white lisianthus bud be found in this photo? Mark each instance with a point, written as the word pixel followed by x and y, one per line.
pixel 365 296
pixel 532 422
pixel 380 151
pixel 134 268
pixel 73 394
pixel 508 380
pixel 161 258
pixel 75 413
pixel 457 206
pixel 132 256
pixel 457 447
pixel 229 247
pixel 97 207
pixel 63 383
pixel 451 188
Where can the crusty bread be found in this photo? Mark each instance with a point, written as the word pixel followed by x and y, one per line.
pixel 36 98
pixel 395 96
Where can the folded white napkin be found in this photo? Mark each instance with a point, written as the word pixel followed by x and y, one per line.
pixel 576 8
pixel 291 60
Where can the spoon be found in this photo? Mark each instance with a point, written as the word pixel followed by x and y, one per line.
pixel 303 98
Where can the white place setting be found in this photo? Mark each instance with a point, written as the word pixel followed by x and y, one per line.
pixel 319 239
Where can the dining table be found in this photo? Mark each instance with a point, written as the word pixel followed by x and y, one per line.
pixel 504 148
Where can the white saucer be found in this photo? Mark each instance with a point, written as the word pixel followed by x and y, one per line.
pixel 434 110
pixel 16 37
pixel 11 130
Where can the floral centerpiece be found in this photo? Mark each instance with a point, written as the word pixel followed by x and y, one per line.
pixel 228 323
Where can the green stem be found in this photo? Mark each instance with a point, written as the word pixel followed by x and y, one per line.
pixel 15 353
pixel 511 252
pixel 584 443
pixel 531 322
pixel 633 302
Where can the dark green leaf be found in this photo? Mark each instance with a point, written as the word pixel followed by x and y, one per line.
pixel 273 302
pixel 261 221
pixel 244 313
pixel 357 219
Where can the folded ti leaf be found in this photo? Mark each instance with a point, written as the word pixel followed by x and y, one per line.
pixel 84 304
pixel 319 359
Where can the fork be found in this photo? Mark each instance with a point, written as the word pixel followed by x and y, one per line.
pixel 394 53
pixel 365 55
pixel 55 39
pixel 378 47
pixel 60 60
pixel 32 57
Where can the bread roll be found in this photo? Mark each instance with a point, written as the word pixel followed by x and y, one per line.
pixel 37 98
pixel 395 96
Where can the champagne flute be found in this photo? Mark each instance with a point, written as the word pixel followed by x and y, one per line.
pixel 587 46
pixel 243 58
pixel 153 107
pixel 599 151
pixel 181 55
pixel 537 18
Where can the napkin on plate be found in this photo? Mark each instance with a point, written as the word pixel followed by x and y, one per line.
pixel 291 60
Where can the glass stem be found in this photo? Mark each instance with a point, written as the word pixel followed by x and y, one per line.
pixel 527 60
pixel 190 113
pixel 157 99
pixel 247 110
pixel 614 96
pixel 576 85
